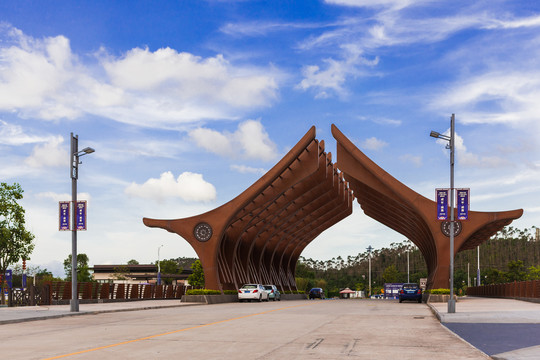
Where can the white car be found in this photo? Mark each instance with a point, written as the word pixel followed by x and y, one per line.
pixel 252 292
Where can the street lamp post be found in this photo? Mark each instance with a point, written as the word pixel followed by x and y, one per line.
pixel 369 249
pixel 158 266
pixel 75 154
pixel 408 250
pixel 451 146
pixel 478 268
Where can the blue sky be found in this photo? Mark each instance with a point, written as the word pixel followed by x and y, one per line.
pixel 195 100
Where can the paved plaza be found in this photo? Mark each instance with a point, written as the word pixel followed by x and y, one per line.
pixel 302 329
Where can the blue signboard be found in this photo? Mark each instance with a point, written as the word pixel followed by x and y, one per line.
pixel 442 203
pixel 391 290
pixel 64 215
pixel 463 196
pixel 81 215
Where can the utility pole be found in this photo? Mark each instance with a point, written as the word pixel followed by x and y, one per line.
pixel 74 156
pixel 369 249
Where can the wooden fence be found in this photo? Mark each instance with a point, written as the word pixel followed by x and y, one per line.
pixel 60 293
pixel 516 289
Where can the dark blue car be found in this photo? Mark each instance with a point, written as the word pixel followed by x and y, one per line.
pixel 316 293
pixel 410 292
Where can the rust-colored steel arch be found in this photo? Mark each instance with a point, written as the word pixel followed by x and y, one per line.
pixel 390 202
pixel 259 235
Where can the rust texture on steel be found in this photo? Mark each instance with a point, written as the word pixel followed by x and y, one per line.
pixel 259 235
pixel 390 202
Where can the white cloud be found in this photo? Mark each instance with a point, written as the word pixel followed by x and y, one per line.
pixel 335 73
pixel 43 78
pixel 381 120
pixel 56 197
pixel 391 23
pixel 250 140
pixel 395 4
pixel 50 154
pixel 532 21
pixel 40 78
pixel 373 144
pixel 188 186
pixel 248 169
pixel 470 160
pixel 213 141
pixel 260 28
pixel 255 141
pixel 512 98
pixel 415 160
pixel 11 134
pixel 191 79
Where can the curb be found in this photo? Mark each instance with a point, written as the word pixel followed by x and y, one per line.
pixel 434 311
pixel 93 312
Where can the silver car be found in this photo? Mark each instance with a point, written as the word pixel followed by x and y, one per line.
pixel 252 292
pixel 273 292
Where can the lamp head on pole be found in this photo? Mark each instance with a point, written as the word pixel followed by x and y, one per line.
pixel 85 151
pixel 438 135
pixel 88 150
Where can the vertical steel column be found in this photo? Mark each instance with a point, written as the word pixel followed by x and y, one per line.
pixel 451 301
pixel 74 159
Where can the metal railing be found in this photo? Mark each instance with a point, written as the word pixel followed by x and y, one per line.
pixel 59 292
pixel 30 296
pixel 516 289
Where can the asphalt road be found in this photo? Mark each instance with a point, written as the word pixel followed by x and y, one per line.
pixel 317 329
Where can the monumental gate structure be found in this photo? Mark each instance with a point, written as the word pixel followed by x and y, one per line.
pixel 259 235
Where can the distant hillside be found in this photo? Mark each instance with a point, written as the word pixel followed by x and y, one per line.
pixel 510 246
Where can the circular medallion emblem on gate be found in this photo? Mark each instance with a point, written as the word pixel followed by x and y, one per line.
pixel 445 228
pixel 202 232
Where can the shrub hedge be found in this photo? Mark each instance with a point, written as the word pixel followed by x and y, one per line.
pixel 203 292
pixel 439 291
pixel 210 292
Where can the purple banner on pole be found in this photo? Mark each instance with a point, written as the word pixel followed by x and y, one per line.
pixel 64 215
pixel 81 215
pixel 442 203
pixel 9 278
pixel 463 196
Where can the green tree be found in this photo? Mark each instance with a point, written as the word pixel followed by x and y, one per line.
pixel 133 262
pixel 534 273
pixel 168 267
pixel 45 275
pixel 321 283
pixel 302 284
pixel 185 262
pixel 391 274
pixel 196 279
pixel 493 276
pixel 120 272
pixel 16 242
pixel 83 274
pixel 303 271
pixel 516 271
pixel 460 279
pixel 359 286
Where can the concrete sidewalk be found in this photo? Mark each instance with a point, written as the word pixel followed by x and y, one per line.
pixel 30 313
pixel 501 328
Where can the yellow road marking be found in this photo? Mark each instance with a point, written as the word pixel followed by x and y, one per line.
pixel 170 332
